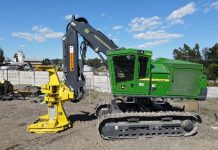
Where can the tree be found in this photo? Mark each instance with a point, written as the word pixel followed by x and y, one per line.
pixel 187 53
pixel 205 53
pixel 213 54
pixel 46 61
pixel 95 63
pixel 57 62
pixel 2 58
pixel 177 54
pixel 213 71
pixel 197 53
pixel 207 56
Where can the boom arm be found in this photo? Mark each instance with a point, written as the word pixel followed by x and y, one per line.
pixel 93 38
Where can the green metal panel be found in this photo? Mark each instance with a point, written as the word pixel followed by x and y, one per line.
pixel 186 82
pixel 130 87
pixel 142 82
pixel 177 63
pixel 121 83
pixel 161 82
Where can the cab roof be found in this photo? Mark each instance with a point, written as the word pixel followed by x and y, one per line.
pixel 123 51
pixel 172 63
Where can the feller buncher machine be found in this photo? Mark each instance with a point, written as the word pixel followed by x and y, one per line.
pixel 140 88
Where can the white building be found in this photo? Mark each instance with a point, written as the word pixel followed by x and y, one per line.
pixel 87 68
pixel 19 56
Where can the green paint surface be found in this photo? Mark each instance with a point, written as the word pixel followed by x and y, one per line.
pixel 158 78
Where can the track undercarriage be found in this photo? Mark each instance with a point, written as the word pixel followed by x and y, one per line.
pixel 136 118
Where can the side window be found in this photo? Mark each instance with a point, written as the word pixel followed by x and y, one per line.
pixel 143 62
pixel 124 67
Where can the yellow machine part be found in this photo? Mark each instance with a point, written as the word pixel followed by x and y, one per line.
pixel 56 93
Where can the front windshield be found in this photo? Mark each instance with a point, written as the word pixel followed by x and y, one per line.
pixel 124 67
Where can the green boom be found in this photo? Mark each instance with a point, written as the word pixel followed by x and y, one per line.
pixel 133 73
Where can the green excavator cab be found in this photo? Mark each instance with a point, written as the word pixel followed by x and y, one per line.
pixel 133 73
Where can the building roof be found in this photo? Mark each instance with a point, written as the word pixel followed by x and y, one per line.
pixel 33 60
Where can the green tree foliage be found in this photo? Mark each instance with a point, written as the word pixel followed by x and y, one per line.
pixel 187 53
pixel 2 58
pixel 95 63
pixel 57 62
pixel 46 61
pixel 213 54
pixel 213 71
pixel 207 56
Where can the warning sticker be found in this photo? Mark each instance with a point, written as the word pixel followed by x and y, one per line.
pixel 71 49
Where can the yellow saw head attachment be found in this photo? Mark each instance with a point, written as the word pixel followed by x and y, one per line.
pixel 56 93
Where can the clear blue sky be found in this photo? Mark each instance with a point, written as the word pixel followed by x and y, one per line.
pixel 37 26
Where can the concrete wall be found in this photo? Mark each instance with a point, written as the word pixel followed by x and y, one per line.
pixel 94 82
pixel 37 78
pixel 212 92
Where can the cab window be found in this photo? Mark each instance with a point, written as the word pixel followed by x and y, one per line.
pixel 143 62
pixel 124 67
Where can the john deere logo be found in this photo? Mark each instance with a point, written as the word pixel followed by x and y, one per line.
pixel 123 86
pixel 86 31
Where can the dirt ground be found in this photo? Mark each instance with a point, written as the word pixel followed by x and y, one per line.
pixel 17 114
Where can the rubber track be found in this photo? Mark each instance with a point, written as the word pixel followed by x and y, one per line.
pixel 173 114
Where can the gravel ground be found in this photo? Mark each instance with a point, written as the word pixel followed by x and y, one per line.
pixel 17 114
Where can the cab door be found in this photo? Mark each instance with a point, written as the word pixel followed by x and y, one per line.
pixel 143 75
pixel 124 73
